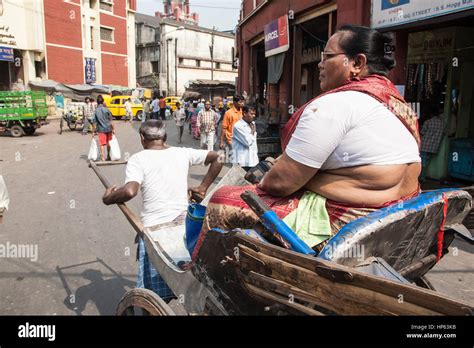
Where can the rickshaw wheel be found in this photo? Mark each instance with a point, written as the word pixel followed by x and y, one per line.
pixel 144 299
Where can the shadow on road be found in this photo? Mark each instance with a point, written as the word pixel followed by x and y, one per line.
pixel 104 293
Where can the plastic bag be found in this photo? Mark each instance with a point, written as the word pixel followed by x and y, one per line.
pixel 115 153
pixel 4 200
pixel 93 151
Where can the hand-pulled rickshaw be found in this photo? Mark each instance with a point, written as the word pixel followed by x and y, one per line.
pixel 240 273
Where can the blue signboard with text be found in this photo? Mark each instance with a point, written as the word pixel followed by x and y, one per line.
pixel 90 70
pixel 6 54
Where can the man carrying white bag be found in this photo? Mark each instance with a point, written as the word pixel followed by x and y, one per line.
pixel 103 126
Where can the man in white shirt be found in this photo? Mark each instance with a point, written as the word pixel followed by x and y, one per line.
pixel 206 122
pixel 128 110
pixel 161 172
pixel 244 140
pixel 179 116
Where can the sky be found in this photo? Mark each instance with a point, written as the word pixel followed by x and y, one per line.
pixel 224 15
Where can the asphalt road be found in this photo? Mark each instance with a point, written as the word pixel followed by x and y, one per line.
pixel 86 251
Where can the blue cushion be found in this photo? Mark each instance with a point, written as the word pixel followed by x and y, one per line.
pixel 419 203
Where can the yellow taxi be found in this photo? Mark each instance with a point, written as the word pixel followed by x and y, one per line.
pixel 171 102
pixel 116 106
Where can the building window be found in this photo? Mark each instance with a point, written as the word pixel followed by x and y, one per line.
pixel 218 65
pixel 39 68
pixel 106 5
pixel 92 4
pixel 106 34
pixel 92 37
pixel 154 67
pixel 198 63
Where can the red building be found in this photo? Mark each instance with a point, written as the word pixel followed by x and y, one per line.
pixel 311 23
pixel 90 41
pixel 179 11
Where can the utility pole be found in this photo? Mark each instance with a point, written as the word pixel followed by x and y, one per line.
pixel 211 48
pixel 176 66
pixel 168 66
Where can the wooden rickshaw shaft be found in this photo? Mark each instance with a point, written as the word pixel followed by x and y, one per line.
pixel 129 215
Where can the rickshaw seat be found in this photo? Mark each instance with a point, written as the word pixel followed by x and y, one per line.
pixel 400 234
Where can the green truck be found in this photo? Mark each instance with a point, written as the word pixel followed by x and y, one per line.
pixel 21 113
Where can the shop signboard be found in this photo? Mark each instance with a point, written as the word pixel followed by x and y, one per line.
pixel 277 36
pixel 431 46
pixel 6 54
pixel 389 13
pixel 90 70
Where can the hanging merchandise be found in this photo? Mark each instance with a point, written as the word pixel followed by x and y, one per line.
pixel 429 80
pixel 419 94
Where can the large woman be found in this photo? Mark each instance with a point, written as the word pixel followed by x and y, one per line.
pixel 348 152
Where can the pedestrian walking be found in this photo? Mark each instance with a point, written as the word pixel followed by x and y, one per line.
pixel 193 123
pixel 179 117
pixel 206 123
pixel 244 140
pixel 231 117
pixel 128 110
pixel 103 127
pixel 146 110
pixel 162 105
pixel 87 114
pixel 155 107
pixel 432 134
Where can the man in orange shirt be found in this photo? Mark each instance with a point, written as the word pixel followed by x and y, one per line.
pixel 231 117
pixel 162 105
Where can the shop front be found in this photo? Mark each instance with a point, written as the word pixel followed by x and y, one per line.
pixel 6 62
pixel 435 65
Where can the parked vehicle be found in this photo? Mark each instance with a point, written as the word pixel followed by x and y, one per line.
pixel 117 107
pixel 171 102
pixel 73 116
pixel 22 112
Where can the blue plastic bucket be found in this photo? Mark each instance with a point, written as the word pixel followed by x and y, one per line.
pixel 194 220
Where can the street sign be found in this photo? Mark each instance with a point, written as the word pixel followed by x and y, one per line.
pixel 90 70
pixel 6 54
pixel 277 36
pixel 389 13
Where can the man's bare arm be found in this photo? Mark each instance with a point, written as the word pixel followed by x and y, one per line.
pixel 214 170
pixel 124 194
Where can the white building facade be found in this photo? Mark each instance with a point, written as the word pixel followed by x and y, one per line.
pixel 27 47
pixel 186 56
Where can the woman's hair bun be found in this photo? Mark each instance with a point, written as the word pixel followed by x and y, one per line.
pixel 378 47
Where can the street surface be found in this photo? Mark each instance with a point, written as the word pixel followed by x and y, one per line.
pixel 86 251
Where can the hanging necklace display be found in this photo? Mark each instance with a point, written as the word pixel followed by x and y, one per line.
pixel 429 80
pixel 420 82
pixel 410 81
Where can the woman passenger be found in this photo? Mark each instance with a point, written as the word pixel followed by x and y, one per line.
pixel 348 152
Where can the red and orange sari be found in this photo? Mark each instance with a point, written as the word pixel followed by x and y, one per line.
pixel 226 210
